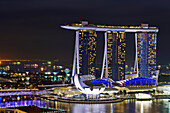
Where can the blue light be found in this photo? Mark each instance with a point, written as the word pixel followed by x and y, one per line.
pixel 0 99
pixel 105 82
pixel 140 81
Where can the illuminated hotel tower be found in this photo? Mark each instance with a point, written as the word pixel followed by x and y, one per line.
pixel 145 54
pixel 87 52
pixel 116 55
pixel 114 49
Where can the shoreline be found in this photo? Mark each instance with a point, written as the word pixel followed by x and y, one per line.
pixel 104 101
pixel 89 101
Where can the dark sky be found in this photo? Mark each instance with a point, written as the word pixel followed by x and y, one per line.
pixel 30 29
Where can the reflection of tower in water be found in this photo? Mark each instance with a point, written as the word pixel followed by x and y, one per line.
pixel 144 106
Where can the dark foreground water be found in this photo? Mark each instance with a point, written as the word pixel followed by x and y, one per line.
pixel 128 106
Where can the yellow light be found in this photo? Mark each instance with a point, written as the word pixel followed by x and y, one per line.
pixel 42 69
pixel 18 98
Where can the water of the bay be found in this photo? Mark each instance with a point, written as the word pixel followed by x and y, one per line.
pixel 127 106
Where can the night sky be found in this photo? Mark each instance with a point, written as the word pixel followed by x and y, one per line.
pixel 30 29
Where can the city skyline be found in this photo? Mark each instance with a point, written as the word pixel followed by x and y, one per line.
pixel 31 29
pixel 79 56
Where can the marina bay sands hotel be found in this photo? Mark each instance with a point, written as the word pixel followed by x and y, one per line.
pixel 113 66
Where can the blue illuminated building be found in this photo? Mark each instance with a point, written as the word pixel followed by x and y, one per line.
pixel 140 81
pixel 103 81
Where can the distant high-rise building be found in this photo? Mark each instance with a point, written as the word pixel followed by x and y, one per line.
pixel 146 54
pixel 116 55
pixel 87 52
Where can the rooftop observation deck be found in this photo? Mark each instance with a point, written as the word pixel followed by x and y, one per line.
pixel 141 28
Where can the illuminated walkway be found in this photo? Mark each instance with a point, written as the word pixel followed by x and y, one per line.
pixel 21 92
pixel 38 103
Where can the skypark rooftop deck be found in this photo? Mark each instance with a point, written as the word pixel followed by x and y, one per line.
pixel 142 28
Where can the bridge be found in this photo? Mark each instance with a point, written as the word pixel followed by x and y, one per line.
pixel 14 92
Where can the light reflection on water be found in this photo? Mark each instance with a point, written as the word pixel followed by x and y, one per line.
pixel 128 106
pixel 142 106
pixel 88 108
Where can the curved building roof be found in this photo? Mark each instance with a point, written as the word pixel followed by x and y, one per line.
pixel 111 28
pixel 107 83
pixel 140 81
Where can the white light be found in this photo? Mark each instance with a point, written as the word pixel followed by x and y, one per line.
pixel 27 78
pixel 47 73
pixel 86 90
pixel 143 96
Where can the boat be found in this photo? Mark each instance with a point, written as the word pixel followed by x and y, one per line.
pixel 143 96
